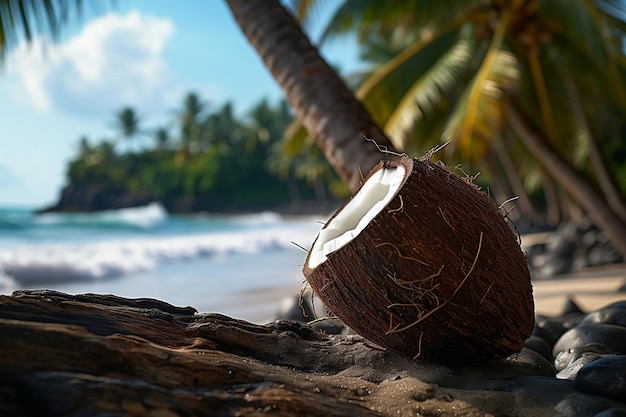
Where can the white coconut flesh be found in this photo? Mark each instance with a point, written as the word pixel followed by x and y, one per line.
pixel 373 196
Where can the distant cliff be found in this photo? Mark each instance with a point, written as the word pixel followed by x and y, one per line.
pixel 82 198
pixel 95 197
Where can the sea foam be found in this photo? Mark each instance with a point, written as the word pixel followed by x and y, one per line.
pixel 40 263
pixel 145 217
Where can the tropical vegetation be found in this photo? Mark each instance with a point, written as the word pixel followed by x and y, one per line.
pixel 483 75
pixel 213 159
pixel 531 93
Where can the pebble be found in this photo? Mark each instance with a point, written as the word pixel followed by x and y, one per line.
pixel 615 315
pixel 570 372
pixel 540 346
pixel 533 362
pixel 548 330
pixel 613 337
pixel 605 377
pixel 299 308
pixel 567 357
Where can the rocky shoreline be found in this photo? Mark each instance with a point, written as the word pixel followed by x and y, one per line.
pixel 569 248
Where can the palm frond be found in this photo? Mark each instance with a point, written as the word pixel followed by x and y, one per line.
pixel 386 87
pixel 24 19
pixel 591 38
pixel 365 16
pixel 295 139
pixel 428 90
pixel 485 102
pixel 482 84
pixel 307 11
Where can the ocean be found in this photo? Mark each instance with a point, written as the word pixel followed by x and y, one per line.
pixel 243 266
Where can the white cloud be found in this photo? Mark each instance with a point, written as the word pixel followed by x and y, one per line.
pixel 114 61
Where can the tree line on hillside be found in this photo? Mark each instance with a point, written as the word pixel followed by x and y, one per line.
pixel 212 159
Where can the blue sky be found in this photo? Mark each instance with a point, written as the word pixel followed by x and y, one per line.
pixel 146 53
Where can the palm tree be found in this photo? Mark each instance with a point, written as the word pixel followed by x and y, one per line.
pixel 496 76
pixel 322 102
pixel 84 147
pixel 192 110
pixel 22 19
pixel 127 123
pixel 161 137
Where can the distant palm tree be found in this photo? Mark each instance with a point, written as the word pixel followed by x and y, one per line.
pixel 84 147
pixel 322 102
pixel 127 124
pixel 193 107
pixel 161 137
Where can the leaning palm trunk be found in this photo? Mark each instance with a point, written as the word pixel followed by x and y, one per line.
pixel 512 175
pixel 584 194
pixel 324 105
pixel 606 183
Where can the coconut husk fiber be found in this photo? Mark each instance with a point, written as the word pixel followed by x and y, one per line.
pixel 437 274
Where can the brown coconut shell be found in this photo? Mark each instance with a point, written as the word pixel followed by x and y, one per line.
pixel 437 274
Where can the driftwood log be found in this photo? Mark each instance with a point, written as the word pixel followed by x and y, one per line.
pixel 101 355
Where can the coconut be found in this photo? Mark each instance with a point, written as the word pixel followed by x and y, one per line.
pixel 422 263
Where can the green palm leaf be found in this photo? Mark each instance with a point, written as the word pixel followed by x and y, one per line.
pixel 364 16
pixel 591 39
pixel 382 92
pixel 23 19
pixel 479 114
pixel 425 94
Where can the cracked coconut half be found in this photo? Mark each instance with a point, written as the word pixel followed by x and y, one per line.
pixel 422 263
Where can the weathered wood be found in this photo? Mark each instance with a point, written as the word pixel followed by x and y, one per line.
pixel 98 355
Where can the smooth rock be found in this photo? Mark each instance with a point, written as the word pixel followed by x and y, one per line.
pixel 548 329
pixel 613 337
pixel 605 377
pixel 616 304
pixel 615 316
pixel 533 362
pixel 571 308
pixel 567 357
pixel 562 394
pixel 571 371
pixel 540 346
pixel 612 412
pixel 584 405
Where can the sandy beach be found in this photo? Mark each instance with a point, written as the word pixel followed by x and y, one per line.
pixel 590 289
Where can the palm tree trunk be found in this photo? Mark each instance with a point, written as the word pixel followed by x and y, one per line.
pixel 512 175
pixel 323 104
pixel 553 207
pixel 607 185
pixel 578 187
